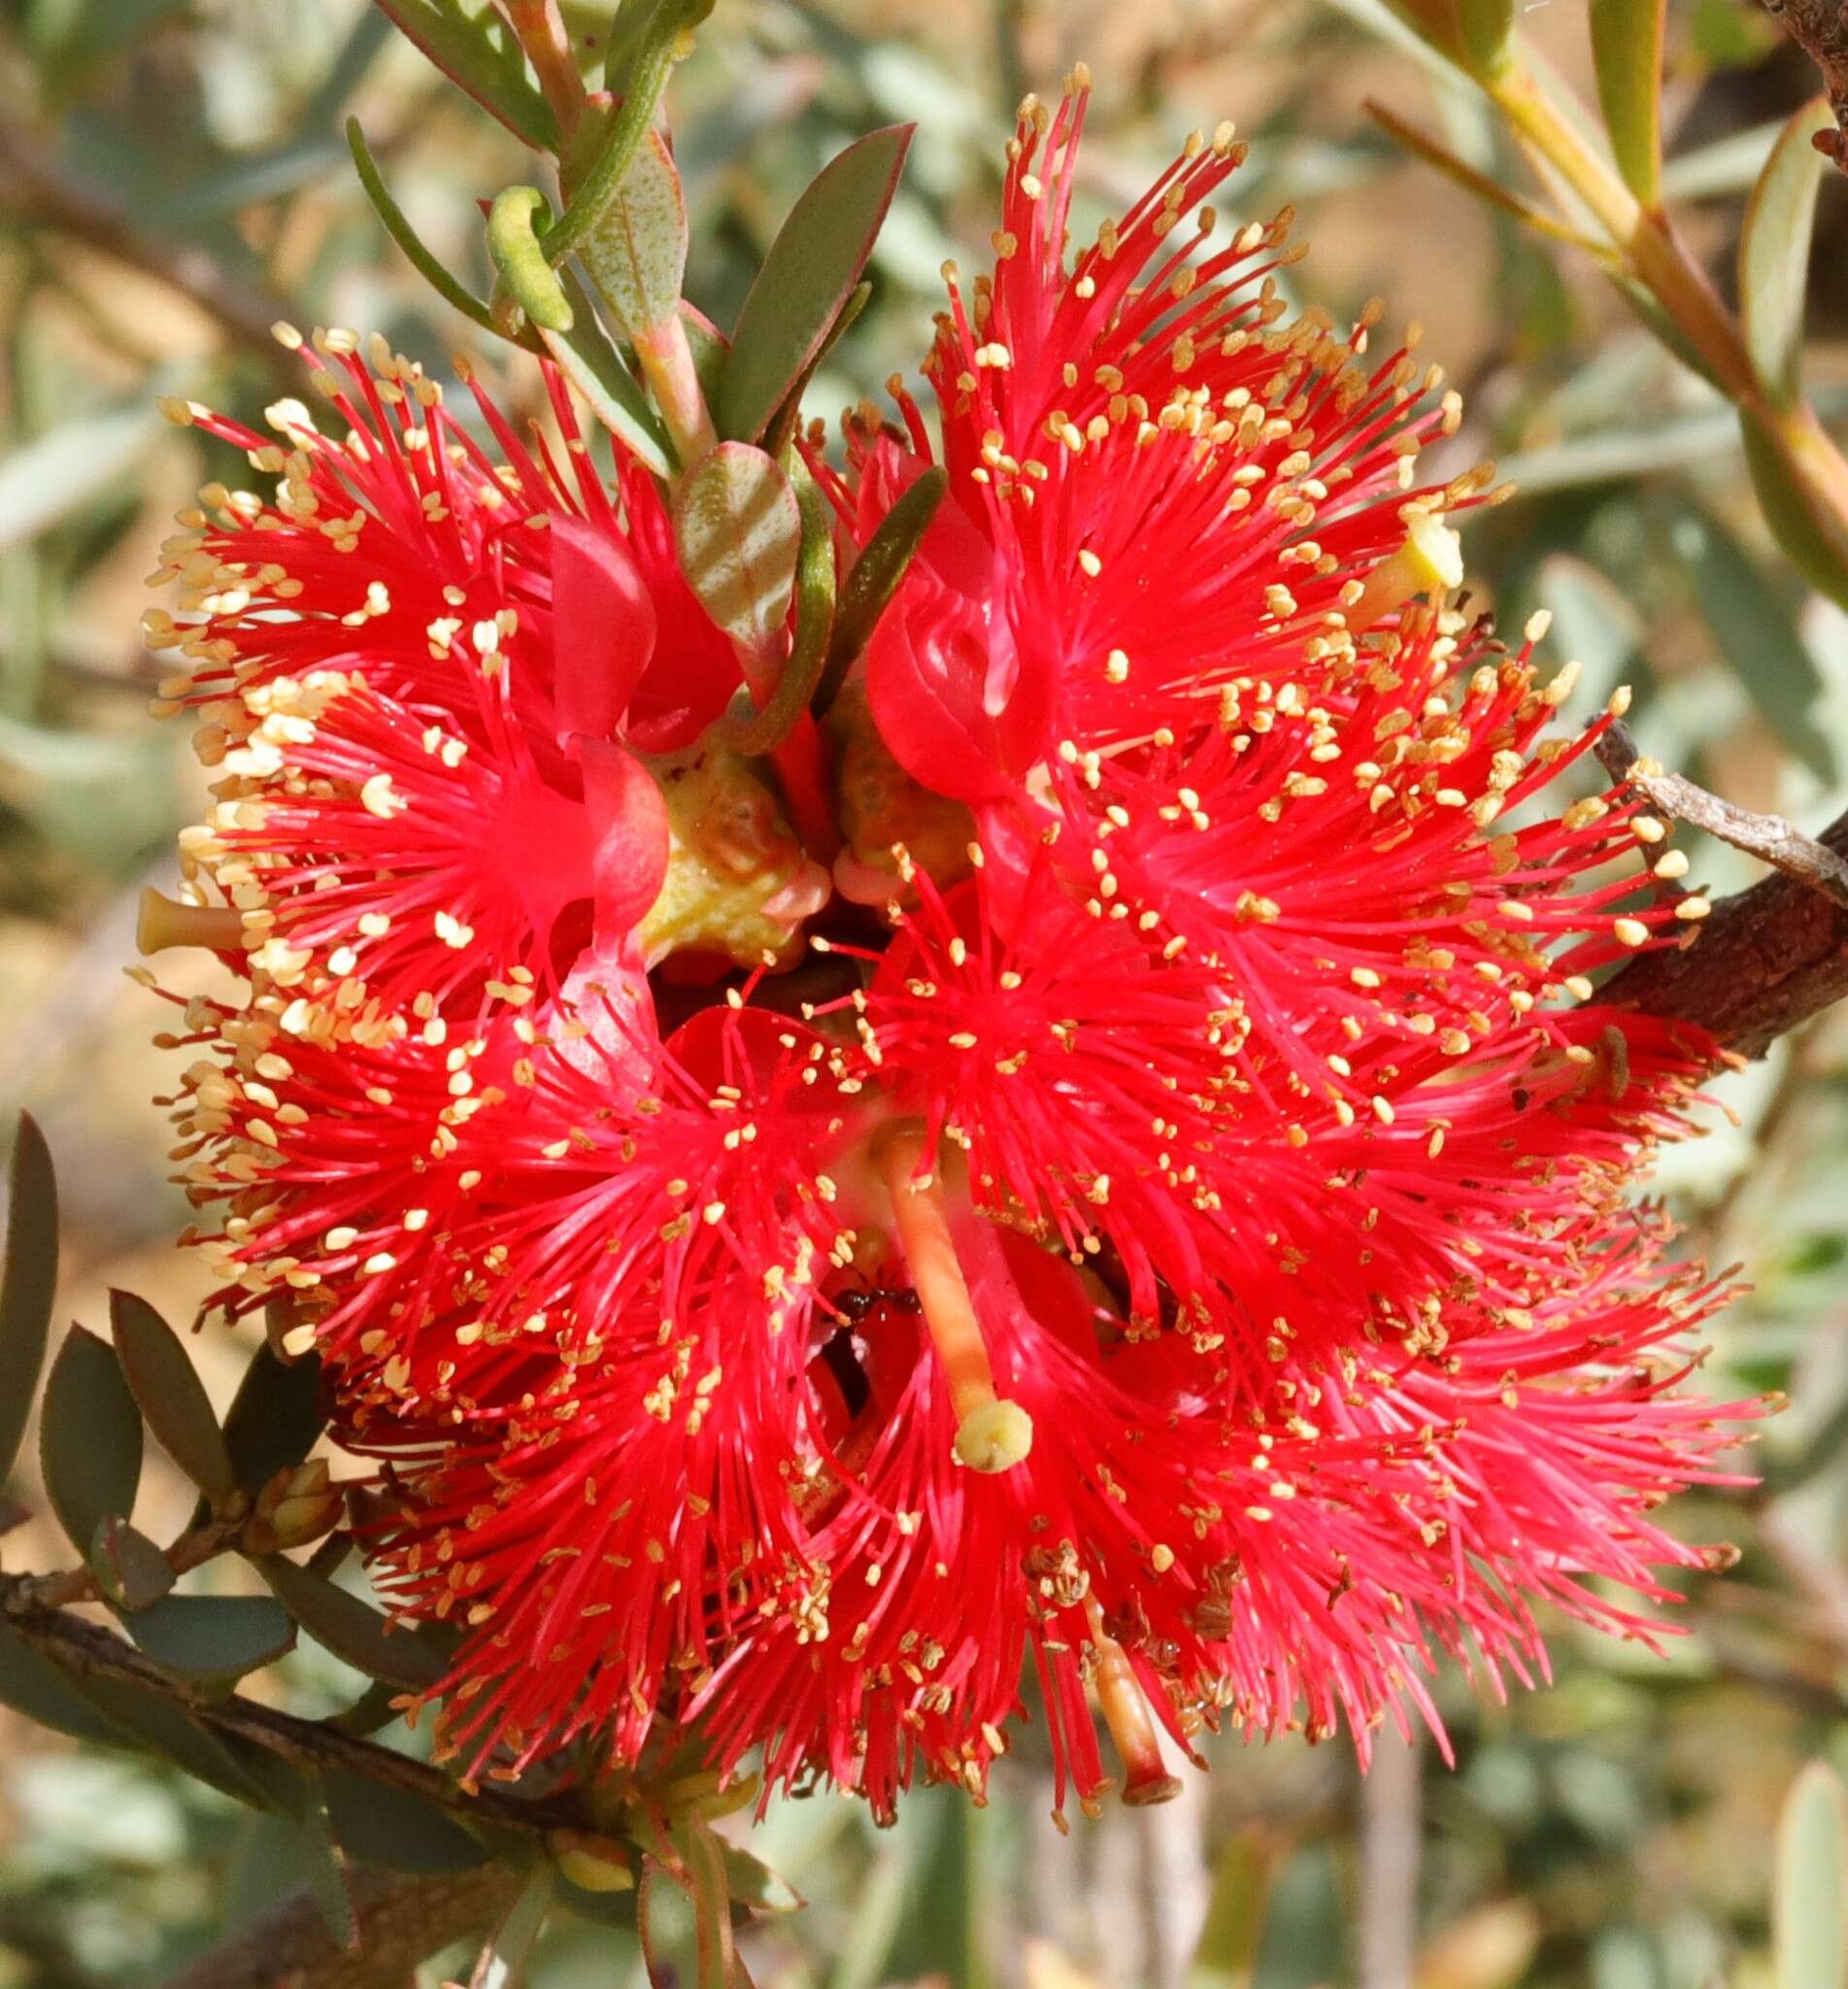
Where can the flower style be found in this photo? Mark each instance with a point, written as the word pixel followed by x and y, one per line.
pixel 1160 1211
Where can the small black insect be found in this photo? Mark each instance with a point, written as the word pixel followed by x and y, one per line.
pixel 856 1303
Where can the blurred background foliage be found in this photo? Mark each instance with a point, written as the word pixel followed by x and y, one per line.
pixel 172 179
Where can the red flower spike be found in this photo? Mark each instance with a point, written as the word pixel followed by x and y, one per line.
pixel 1172 1223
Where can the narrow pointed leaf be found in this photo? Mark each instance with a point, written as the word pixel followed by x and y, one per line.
pixel 636 255
pixel 807 277
pixel 172 1399
pixel 715 1950
pixel 26 1283
pixel 814 622
pixel 356 1632
pixel 133 1571
pixel 326 1872
pixel 738 529
pixel 379 1824
pixel 398 226
pixel 1810 530
pixel 1774 243
pixel 502 1963
pixel 883 563
pixel 212 1640
pixel 470 41
pixel 89 1437
pixel 1756 637
pixel 1809 1912
pixel 1627 37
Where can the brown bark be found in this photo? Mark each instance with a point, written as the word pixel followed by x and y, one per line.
pixel 1759 964
pixel 1820 28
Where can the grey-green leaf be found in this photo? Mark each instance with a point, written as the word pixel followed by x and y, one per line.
pixel 274 1417
pixel 1627 37
pixel 738 529
pixel 1756 639
pixel 1780 220
pixel 212 1640
pixel 593 366
pixel 89 1437
pixel 501 1964
pixel 637 252
pixel 133 1571
pixel 172 1397
pixel 353 1630
pixel 470 41
pixel 1810 532
pixel 26 1283
pixel 806 277
pixel 379 1824
pixel 326 1873
pixel 68 465
pixel 1809 1912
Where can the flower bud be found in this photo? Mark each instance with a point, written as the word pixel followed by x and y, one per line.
pixel 298 1504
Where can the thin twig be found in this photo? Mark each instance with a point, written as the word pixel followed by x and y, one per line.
pixel 1768 837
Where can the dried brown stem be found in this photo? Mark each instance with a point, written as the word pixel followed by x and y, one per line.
pixel 1768 837
pixel 1820 28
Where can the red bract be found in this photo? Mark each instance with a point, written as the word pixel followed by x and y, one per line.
pixel 1171 1235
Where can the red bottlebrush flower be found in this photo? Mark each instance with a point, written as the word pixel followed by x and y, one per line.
pixel 1173 1224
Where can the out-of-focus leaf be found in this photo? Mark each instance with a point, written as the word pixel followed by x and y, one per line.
pixel 172 1399
pixel 153 1720
pixel 470 41
pixel 274 1417
pixel 1490 192
pixel 806 277
pixel 268 1865
pixel 1487 29
pixel 68 466
pixel 381 1825
pixel 1810 530
pixel 1627 43
pixel 1809 1911
pixel 26 1282
pixel 636 255
pixel 1642 301
pixel 132 1570
pixel 738 528
pixel 34 1686
pixel 1728 165
pixel 1227 1949
pixel 89 1437
pixel 1756 637
pixel 1593 623
pixel 502 1963
pixel 326 1872
pixel 1780 221
pixel 354 1631
pixel 752 1883
pixel 212 1640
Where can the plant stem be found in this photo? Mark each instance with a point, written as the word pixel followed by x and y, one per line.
pixel 1646 240
pixel 539 30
